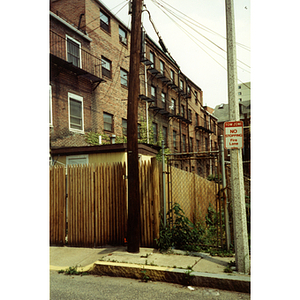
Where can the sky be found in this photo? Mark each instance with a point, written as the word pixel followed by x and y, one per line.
pixel 196 49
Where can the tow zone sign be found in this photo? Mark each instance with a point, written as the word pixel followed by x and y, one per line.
pixel 233 135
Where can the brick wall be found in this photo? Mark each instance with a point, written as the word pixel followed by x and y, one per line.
pixel 111 96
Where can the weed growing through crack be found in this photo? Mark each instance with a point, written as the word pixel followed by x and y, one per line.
pixel 72 271
pixel 145 278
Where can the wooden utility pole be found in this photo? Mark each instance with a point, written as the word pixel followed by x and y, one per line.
pixel 133 226
pixel 237 176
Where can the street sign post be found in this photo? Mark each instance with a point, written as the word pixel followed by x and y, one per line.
pixel 233 135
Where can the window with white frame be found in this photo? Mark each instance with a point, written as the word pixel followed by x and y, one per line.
pixel 73 51
pixel 50 105
pixel 75 104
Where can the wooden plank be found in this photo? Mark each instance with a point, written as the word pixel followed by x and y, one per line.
pixel 113 201
pixel 117 174
pixel 147 206
pixel 150 201
pixel 156 200
pixel 56 195
pixel 142 206
pixel 92 193
pixel 61 216
pixel 97 204
pixel 51 204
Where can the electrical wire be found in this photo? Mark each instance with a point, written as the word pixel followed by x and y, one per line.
pixel 180 19
pixel 191 37
pixel 192 21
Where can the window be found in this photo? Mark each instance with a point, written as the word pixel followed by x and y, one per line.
pixel 240 93
pixel 153 92
pixel 197 119
pixel 162 67
pixel 108 122
pixel 172 107
pixel 73 51
pixel 163 99
pixel 50 105
pixel 174 139
pixel 240 87
pixel 77 160
pixel 205 122
pixel 181 84
pixel 196 98
pixel 191 145
pixel 75 104
pixel 183 143
pixel 124 77
pixel 165 135
pixel 104 21
pixel 182 110
pixel 190 115
pixel 172 75
pixel 123 36
pixel 152 59
pixel 154 126
pixel 188 89
pixel 106 67
pixel 198 145
pixel 124 127
pixel 206 144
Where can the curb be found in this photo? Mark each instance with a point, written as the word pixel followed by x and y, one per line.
pixel 172 275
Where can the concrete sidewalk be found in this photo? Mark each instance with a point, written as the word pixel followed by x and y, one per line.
pixel 207 271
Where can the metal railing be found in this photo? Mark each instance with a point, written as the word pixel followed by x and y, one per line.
pixel 88 62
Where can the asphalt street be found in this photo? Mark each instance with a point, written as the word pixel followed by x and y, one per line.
pixel 103 287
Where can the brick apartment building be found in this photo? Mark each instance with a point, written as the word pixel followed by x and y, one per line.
pixel 89 66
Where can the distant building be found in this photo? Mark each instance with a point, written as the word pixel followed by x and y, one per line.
pixel 222 113
pixel 244 91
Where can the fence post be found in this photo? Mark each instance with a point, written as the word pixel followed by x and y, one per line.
pixel 226 215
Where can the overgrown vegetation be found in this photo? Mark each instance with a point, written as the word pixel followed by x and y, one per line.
pixel 92 138
pixel 181 233
pixel 72 271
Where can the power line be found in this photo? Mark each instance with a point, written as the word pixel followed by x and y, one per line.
pixel 203 27
pixel 180 19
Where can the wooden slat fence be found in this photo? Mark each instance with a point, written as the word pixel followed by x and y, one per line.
pixel 150 188
pixel 96 206
pixel 193 193
pixel 57 203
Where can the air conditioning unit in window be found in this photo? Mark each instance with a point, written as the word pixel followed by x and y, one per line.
pixel 123 40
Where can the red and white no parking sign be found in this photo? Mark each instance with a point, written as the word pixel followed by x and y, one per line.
pixel 233 135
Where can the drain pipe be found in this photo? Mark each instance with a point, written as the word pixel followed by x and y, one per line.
pixel 80 21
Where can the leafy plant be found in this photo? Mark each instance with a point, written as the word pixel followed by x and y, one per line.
pixel 145 278
pixel 188 277
pixel 181 233
pixel 72 271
